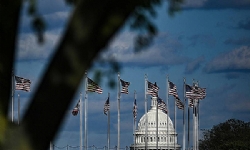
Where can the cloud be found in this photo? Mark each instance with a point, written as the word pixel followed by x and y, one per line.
pixel 194 65
pixel 239 41
pixel 28 47
pixel 54 15
pixel 164 51
pixel 221 104
pixel 215 4
pixel 237 60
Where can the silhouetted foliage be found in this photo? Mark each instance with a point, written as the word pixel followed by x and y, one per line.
pixel 92 25
pixel 230 135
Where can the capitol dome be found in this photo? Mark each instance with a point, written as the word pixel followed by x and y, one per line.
pixel 146 133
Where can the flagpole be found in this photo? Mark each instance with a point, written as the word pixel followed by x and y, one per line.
pixel 118 107
pixel 146 107
pixel 18 109
pixel 174 119
pixel 156 123
pixel 134 120
pixel 81 105
pixel 188 126
pixel 108 126
pixel 174 122
pixel 197 133
pixel 190 99
pixel 189 104
pixel 85 113
pixel 193 126
pixel 13 93
pixel 168 112
pixel 194 147
pixel 195 120
pixel 198 115
pixel 184 126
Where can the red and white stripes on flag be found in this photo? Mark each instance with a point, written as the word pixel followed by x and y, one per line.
pixel 189 92
pixel 135 110
pixel 106 106
pixel 172 90
pixel 124 86
pixel 195 92
pixel 22 84
pixel 152 89
pixel 162 105
pixel 179 103
pixel 76 109
pixel 202 93
pixel 93 87
pixel 199 93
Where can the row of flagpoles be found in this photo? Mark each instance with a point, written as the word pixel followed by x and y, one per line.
pixel 91 86
pixel 191 93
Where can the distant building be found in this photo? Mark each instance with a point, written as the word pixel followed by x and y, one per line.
pixel 167 136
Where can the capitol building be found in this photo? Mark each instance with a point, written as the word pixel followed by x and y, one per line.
pixel 146 133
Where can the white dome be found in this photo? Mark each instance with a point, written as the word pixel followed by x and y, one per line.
pixel 151 117
pixel 147 130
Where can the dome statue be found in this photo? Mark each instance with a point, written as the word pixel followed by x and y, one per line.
pixel 146 133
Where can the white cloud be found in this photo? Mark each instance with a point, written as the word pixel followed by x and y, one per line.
pixel 235 60
pixel 194 65
pixel 29 48
pixel 163 51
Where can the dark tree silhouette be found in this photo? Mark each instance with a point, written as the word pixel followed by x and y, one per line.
pixel 92 25
pixel 230 135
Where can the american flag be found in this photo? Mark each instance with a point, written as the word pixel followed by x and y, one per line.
pixel 135 109
pixel 197 92
pixel 189 92
pixel 152 89
pixel 22 84
pixel 202 92
pixel 76 109
pixel 124 86
pixel 179 103
pixel 93 87
pixel 172 89
pixel 106 106
pixel 162 105
pixel 194 92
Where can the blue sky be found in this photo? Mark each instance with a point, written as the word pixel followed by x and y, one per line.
pixel 208 41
